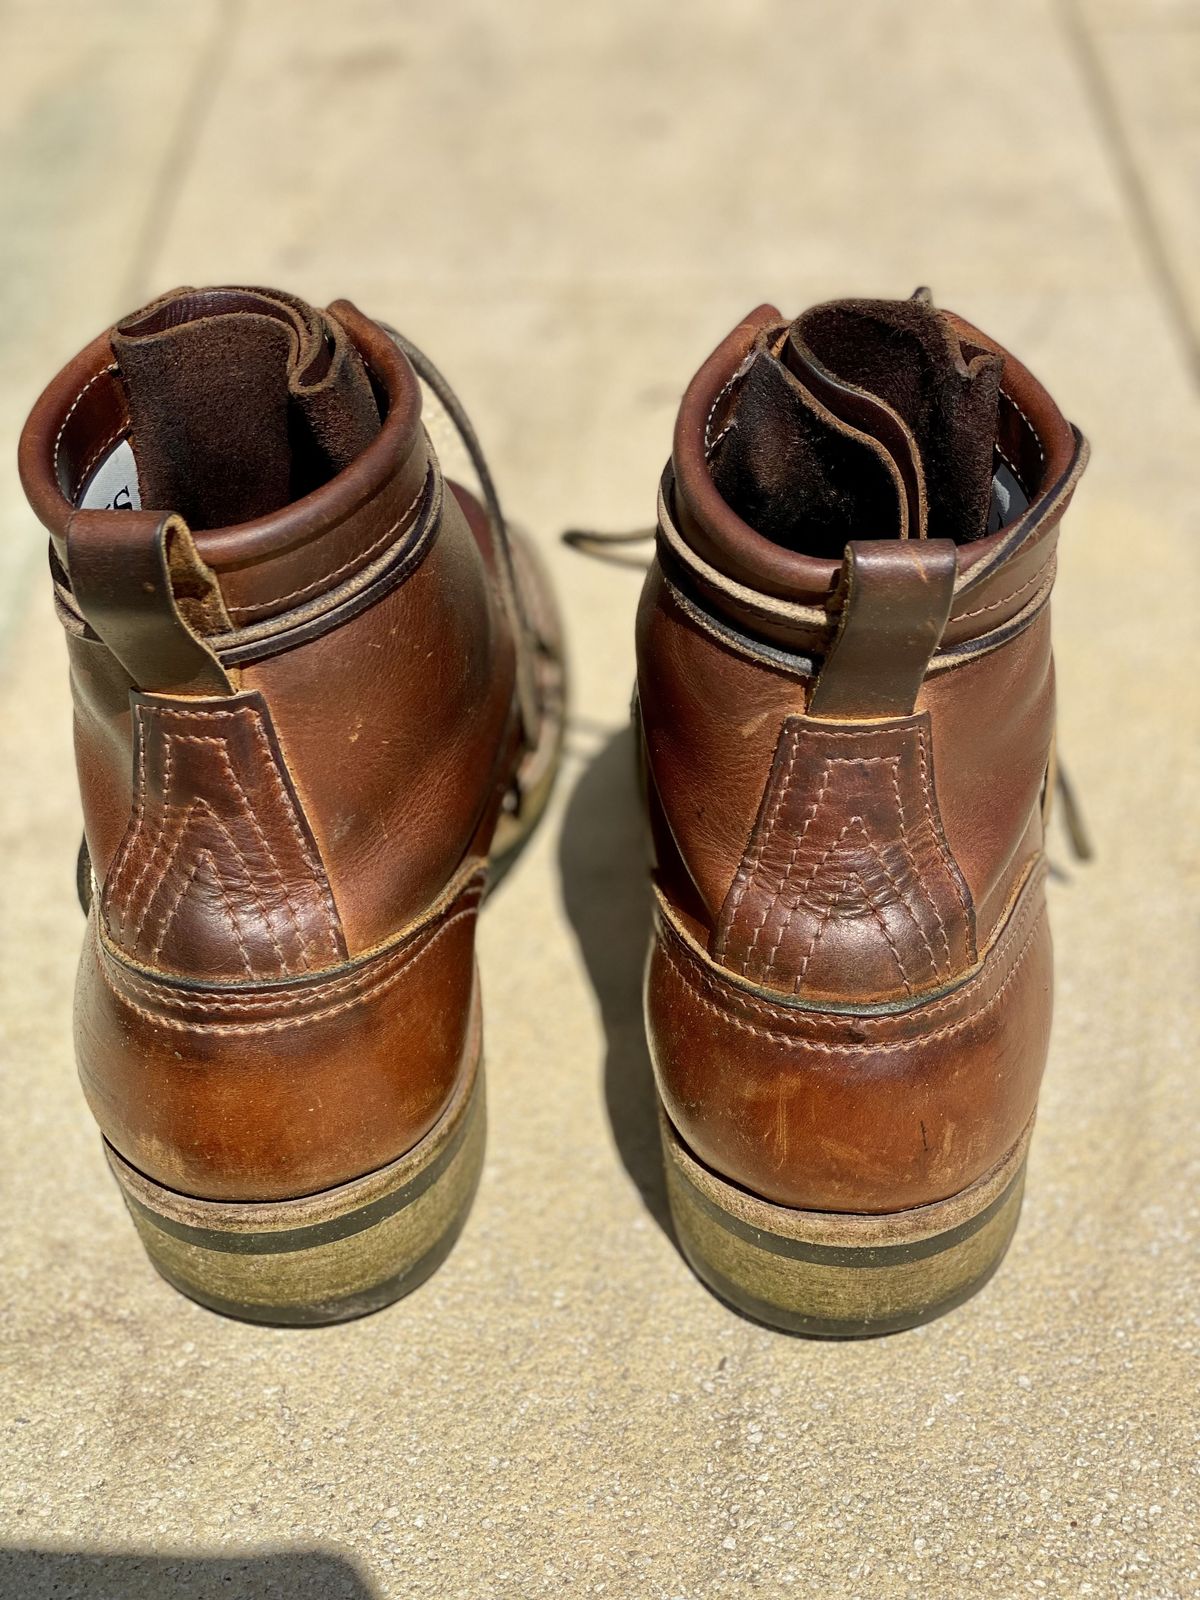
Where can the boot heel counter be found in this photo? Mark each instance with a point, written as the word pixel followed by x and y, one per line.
pixel 847 889
pixel 852 1108
pixel 218 876
pixel 263 1090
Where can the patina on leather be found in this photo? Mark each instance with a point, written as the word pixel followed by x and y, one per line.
pixel 295 733
pixel 846 696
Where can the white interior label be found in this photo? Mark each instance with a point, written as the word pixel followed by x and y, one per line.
pixel 114 484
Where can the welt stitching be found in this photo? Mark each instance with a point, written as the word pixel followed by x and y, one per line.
pixel 933 1008
pixel 396 960
pixel 352 565
pixel 906 845
pixel 74 406
pixel 281 1023
pixel 799 1041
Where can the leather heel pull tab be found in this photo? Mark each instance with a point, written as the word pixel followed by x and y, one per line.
pixel 895 599
pixel 141 586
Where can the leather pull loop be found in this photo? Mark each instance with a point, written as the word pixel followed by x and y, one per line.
pixel 142 587
pixel 896 599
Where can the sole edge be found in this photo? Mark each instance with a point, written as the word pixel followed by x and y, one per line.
pixel 324 1258
pixel 835 1275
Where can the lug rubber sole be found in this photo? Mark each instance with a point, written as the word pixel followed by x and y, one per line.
pixel 836 1275
pixel 325 1257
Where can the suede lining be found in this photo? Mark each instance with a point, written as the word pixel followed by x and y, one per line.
pixel 807 481
pixel 791 471
pixel 240 401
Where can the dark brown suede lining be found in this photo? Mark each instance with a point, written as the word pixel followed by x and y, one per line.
pixel 240 400
pixel 809 483
pixel 791 471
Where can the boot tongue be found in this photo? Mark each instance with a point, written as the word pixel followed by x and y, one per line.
pixel 240 400
pixel 862 419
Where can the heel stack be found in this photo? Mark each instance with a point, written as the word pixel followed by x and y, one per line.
pixel 325 1257
pixel 835 1275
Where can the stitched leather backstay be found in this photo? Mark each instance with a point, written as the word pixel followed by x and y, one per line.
pixel 218 875
pixel 847 889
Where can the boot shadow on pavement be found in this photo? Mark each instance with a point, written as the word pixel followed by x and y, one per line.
pixel 145 1575
pixel 605 885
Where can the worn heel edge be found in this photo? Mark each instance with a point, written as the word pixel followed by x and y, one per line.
pixel 326 1257
pixel 838 1275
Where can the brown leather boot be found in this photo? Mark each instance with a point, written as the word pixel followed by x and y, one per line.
pixel 847 700
pixel 318 703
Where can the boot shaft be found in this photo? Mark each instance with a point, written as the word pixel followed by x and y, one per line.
pixel 296 736
pixel 351 619
pixel 846 692
pixel 757 659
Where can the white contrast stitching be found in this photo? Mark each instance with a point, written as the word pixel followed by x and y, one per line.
pixel 280 1024
pixel 74 406
pixel 1033 434
pixel 872 1047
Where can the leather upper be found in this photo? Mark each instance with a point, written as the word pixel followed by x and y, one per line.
pixel 294 737
pixel 848 999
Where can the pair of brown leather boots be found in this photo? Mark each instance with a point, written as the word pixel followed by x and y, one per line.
pixel 318 692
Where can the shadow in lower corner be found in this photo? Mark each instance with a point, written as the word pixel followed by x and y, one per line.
pixel 28 1574
pixel 606 892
